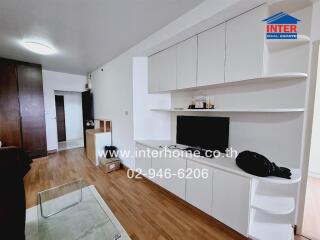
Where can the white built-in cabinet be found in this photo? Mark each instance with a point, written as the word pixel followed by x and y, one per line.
pixel 187 63
pixel 199 190
pixel 211 56
pixel 245 45
pixel 231 200
pixel 143 162
pixel 163 70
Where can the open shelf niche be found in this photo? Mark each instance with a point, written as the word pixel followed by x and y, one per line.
pixel 272 207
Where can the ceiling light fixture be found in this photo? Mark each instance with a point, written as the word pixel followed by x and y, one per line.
pixel 39 48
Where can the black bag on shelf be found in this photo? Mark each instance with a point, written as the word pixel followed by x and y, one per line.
pixel 257 164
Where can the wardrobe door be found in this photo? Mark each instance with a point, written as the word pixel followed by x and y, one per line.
pixel 9 105
pixel 33 126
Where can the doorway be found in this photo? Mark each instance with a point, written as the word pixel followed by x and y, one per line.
pixel 61 124
pixel 69 119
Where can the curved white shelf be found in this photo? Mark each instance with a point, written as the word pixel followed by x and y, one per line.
pixel 260 79
pixel 263 231
pixel 273 204
pixel 247 110
pixel 276 45
pixel 295 178
pixel 265 227
pixel 285 76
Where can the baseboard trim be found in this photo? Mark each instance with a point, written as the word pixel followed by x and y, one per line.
pixel 314 174
pixel 52 151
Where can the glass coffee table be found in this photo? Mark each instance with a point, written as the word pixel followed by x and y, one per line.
pixel 72 211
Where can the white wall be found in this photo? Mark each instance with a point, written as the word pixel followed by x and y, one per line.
pixel 62 82
pixel 145 120
pixel 112 91
pixel 73 114
pixel 314 161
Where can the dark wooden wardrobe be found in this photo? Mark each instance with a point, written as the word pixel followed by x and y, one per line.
pixel 22 117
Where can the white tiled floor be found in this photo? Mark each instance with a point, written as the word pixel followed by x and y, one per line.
pixel 77 143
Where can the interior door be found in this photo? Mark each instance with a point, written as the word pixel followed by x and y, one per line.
pixel 61 125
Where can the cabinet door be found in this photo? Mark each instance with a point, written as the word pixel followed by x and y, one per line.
pixel 162 70
pixel 159 164
pixel 211 56
pixel 245 45
pixel 199 190
pixel 187 63
pixel 173 183
pixel 91 151
pixel 101 141
pixel 231 200
pixel 31 100
pixel 143 161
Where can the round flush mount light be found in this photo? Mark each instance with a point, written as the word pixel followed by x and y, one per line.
pixel 39 48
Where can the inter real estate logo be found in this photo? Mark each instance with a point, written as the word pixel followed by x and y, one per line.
pixel 281 26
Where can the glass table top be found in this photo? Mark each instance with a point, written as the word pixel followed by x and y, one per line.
pixel 72 211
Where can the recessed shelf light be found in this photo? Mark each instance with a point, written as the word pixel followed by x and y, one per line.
pixel 39 48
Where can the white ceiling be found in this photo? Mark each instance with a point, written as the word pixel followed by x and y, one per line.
pixel 86 33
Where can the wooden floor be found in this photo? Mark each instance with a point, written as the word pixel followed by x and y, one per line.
pixel 311 220
pixel 145 210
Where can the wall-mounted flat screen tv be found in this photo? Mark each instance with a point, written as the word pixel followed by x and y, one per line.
pixel 208 133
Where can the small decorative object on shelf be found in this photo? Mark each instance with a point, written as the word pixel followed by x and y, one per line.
pixel 210 102
pixel 90 123
pixel 201 102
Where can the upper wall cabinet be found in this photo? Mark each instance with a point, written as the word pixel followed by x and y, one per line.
pixel 187 63
pixel 211 56
pixel 163 70
pixel 245 45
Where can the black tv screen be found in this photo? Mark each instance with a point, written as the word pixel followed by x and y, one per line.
pixel 209 133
